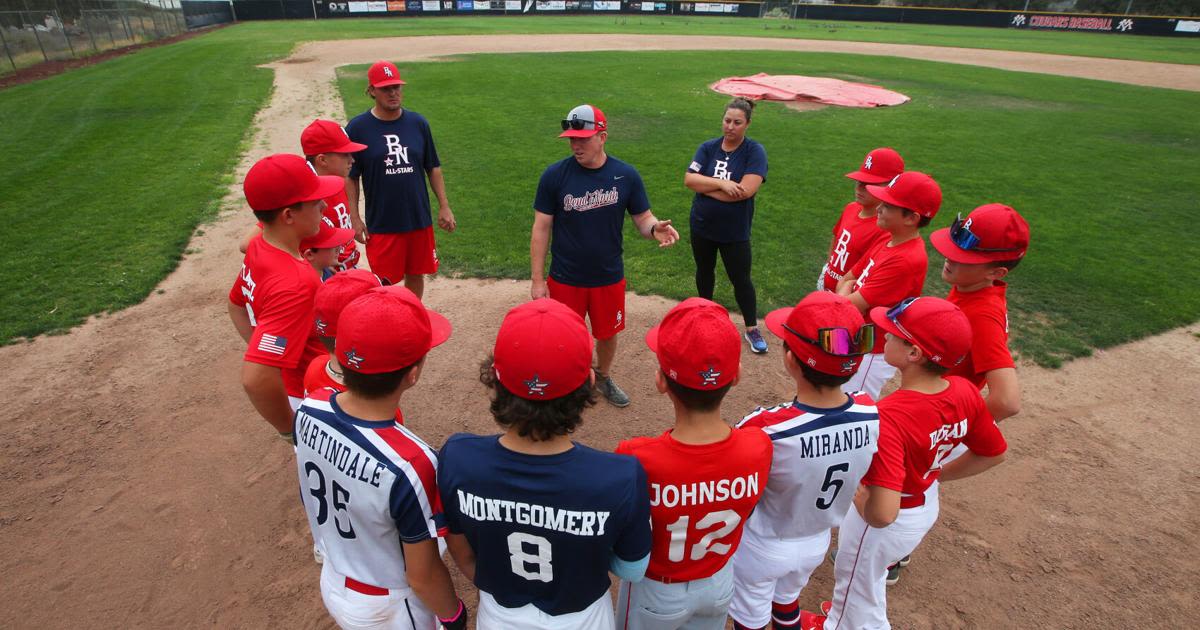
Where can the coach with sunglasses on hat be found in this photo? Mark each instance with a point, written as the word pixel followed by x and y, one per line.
pixel 579 212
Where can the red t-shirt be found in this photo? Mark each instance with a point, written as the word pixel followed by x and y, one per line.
pixel 887 275
pixel 337 211
pixel 277 290
pixel 916 431
pixel 853 238
pixel 987 310
pixel 700 497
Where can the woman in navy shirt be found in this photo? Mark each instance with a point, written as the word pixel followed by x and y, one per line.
pixel 726 173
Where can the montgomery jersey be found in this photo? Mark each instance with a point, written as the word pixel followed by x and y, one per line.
pixel 853 238
pixel 820 456
pixel 392 169
pixel 543 528
pixel 337 213
pixel 700 497
pixel 277 291
pixel 887 275
pixel 589 206
pixel 726 221
pixel 366 487
pixel 987 310
pixel 917 431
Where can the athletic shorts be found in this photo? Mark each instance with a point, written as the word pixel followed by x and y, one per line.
pixel 394 256
pixel 603 306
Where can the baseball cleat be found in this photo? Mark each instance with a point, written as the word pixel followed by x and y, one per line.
pixel 893 574
pixel 612 393
pixel 826 606
pixel 905 560
pixel 758 345
pixel 811 621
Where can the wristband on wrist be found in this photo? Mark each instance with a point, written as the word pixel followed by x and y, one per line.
pixel 652 226
pixel 457 614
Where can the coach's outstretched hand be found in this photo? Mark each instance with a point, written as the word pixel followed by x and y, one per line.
pixel 664 233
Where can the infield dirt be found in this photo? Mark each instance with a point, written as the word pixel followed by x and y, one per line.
pixel 142 490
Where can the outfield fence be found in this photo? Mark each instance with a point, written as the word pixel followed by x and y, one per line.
pixel 36 31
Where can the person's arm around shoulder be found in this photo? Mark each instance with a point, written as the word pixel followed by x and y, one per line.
pixel 430 580
pixel 1004 393
pixel 539 244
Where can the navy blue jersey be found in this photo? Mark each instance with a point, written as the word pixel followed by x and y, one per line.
pixel 723 221
pixel 392 170
pixel 543 527
pixel 589 206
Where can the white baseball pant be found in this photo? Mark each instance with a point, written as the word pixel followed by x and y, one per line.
pixel 493 616
pixel 873 373
pixel 767 570
pixel 864 554
pixel 399 609
pixel 694 605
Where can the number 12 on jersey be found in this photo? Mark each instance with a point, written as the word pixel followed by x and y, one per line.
pixel 679 530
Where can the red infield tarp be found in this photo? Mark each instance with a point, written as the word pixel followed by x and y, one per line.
pixel 790 87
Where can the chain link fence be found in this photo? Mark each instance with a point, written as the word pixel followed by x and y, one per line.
pixel 35 31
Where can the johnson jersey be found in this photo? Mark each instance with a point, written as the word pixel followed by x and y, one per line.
pixel 543 528
pixel 337 213
pixel 589 206
pixel 820 456
pixel 853 238
pixel 700 497
pixel 916 431
pixel 987 310
pixel 392 169
pixel 887 275
pixel 277 291
pixel 367 487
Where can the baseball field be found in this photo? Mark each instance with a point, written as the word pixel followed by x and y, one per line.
pixel 141 489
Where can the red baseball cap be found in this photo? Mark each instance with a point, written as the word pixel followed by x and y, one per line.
pixel 327 236
pixel 387 329
pixel 817 310
pixel 990 233
pixel 589 120
pixel 934 325
pixel 383 74
pixel 911 190
pixel 335 293
pixel 697 344
pixel 543 350
pixel 326 136
pixel 879 166
pixel 281 180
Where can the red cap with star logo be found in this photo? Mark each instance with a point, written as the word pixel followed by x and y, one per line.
pixel 543 351
pixel 387 329
pixel 335 293
pixel 697 345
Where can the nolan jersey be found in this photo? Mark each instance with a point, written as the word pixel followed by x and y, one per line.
pixel 820 456
pixel 543 527
pixel 366 487
pixel 700 497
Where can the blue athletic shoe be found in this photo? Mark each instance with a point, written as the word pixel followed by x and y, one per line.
pixel 758 345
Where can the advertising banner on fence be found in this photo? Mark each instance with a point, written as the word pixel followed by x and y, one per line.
pixel 606 5
pixel 551 5
pixel 1074 22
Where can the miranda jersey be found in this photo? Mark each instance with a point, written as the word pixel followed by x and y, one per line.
pixel 726 221
pixel 366 487
pixel 589 206
pixel 700 497
pixel 543 528
pixel 820 455
pixel 392 170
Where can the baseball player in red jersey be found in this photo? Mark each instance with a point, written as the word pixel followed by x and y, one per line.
pixel 894 270
pixel 704 477
pixel 919 425
pixel 368 484
pixel 271 302
pixel 327 147
pixel 823 443
pixel 856 232
pixel 980 251
pixel 333 296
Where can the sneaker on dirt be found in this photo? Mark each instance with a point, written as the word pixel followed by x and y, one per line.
pixel 612 393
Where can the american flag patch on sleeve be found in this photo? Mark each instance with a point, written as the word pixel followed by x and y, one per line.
pixel 695 167
pixel 272 344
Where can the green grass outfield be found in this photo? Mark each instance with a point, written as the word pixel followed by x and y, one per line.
pixel 116 164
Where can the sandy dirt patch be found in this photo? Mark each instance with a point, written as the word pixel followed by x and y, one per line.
pixel 141 490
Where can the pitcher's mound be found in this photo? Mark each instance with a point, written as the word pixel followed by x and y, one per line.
pixel 808 92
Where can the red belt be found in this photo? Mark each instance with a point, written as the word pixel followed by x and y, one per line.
pixel 664 579
pixel 365 589
pixel 912 501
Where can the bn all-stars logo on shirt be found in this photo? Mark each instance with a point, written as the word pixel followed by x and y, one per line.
pixel 397 156
pixel 721 169
pixel 841 251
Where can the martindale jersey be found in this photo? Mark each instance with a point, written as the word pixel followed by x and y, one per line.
pixel 367 487
pixel 543 527
pixel 700 497
pixel 820 456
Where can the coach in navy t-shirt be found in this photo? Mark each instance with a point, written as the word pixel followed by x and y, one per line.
pixel 399 154
pixel 582 201
pixel 726 173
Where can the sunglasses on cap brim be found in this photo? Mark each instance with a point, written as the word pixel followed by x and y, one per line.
pixel 966 240
pixel 578 124
pixel 838 341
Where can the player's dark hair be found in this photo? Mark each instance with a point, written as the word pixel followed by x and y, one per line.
pixel 374 386
pixel 933 368
pixel 744 105
pixel 327 342
pixel 1007 264
pixel 698 399
pixel 817 379
pixel 268 216
pixel 538 420
pixel 924 222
